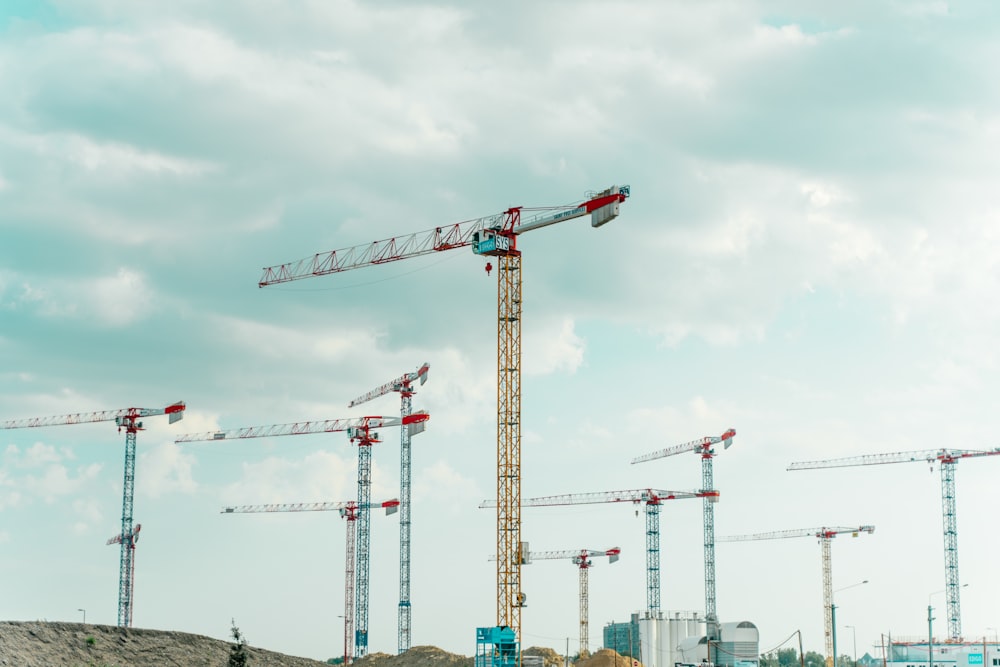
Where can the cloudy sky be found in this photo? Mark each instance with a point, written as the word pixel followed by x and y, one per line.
pixel 810 255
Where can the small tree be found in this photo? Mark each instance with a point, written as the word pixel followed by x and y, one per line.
pixel 238 651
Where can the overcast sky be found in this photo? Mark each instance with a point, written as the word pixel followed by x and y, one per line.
pixel 810 256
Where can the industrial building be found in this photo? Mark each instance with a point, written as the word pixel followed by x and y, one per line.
pixel 949 654
pixel 676 639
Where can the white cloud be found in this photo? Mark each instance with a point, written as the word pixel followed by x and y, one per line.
pixel 116 300
pixel 39 454
pixel 88 514
pixel 113 157
pixel 9 494
pixel 318 477
pixel 165 469
pixel 286 341
pixel 57 481
pixel 555 348
pixel 442 486
pixel 922 8
pixel 784 34
pixel 122 299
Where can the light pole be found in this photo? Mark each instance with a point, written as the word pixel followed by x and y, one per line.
pixel 833 618
pixel 854 638
pixel 84 615
pixel 930 627
pixel 347 658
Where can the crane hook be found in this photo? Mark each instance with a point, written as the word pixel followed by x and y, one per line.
pixel 489 267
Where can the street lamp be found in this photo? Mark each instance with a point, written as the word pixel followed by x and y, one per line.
pixel 84 615
pixel 854 638
pixel 930 631
pixel 347 659
pixel 833 618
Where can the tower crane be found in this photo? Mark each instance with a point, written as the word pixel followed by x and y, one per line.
pixel 704 447
pixel 349 512
pixel 946 458
pixel 582 559
pixel 491 236
pixel 127 419
pixel 650 498
pixel 403 385
pixel 130 541
pixel 824 535
pixel 359 430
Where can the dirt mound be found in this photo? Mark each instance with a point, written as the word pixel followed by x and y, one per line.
pixel 607 658
pixel 417 656
pixel 37 644
pixel 551 658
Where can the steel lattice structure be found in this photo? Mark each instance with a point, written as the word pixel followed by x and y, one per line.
pixel 704 447
pixel 359 430
pixel 582 559
pixel 349 512
pixel 493 236
pixel 128 419
pixel 824 535
pixel 510 598
pixel 946 458
pixel 404 386
pixel 129 542
pixel 650 498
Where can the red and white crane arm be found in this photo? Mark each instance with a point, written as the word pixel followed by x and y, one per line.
pixel 579 556
pixel 700 446
pixel 390 507
pixel 175 411
pixel 654 496
pixel 399 384
pixel 802 532
pixel 306 428
pixel 926 455
pixel 602 205
pixel 117 539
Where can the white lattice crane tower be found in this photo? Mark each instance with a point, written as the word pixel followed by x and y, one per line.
pixel 705 448
pixel 130 541
pixel 404 386
pixel 492 236
pixel 824 535
pixel 360 431
pixel 946 458
pixel 582 558
pixel 349 512
pixel 651 499
pixel 128 419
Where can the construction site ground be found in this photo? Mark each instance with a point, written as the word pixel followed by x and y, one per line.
pixel 44 644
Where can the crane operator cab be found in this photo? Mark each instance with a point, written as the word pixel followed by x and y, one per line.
pixel 492 242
